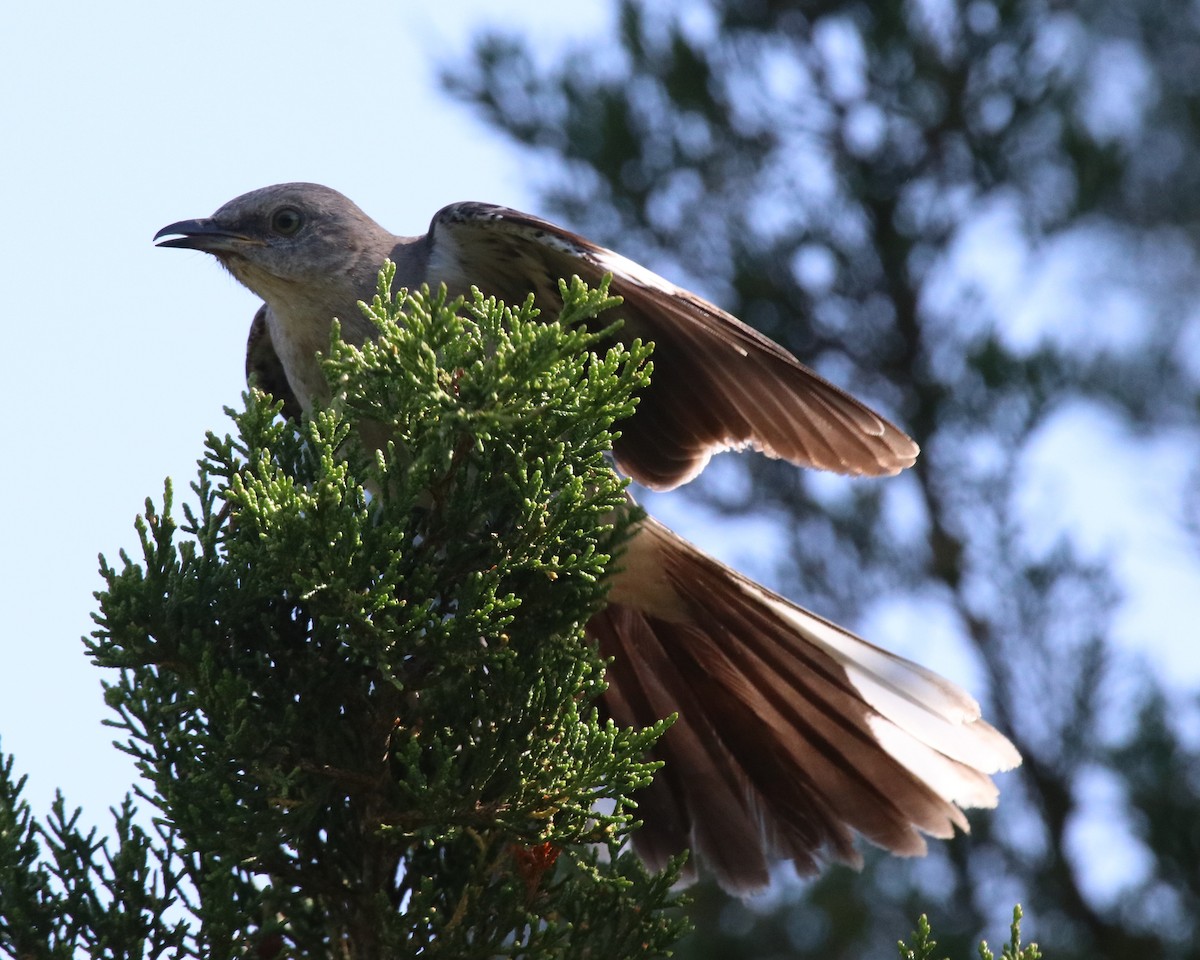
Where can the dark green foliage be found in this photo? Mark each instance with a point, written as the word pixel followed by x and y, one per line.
pixel 63 892
pixel 355 679
pixel 819 168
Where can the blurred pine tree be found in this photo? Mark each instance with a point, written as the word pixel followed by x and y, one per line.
pixel 869 183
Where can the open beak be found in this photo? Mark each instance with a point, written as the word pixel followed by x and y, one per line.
pixel 203 235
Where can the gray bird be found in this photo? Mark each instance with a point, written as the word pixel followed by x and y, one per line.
pixel 793 734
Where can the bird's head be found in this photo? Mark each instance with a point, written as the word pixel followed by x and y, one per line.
pixel 289 241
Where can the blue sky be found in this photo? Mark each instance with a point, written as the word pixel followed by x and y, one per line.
pixel 118 120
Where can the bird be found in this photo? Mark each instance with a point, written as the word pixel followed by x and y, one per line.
pixel 793 736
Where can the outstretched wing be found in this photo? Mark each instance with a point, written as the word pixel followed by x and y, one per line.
pixel 717 385
pixel 264 368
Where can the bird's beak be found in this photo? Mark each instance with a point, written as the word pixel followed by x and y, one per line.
pixel 204 235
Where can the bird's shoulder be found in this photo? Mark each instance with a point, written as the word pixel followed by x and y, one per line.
pixel 467 219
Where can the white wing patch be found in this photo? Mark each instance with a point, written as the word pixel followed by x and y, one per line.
pixel 621 266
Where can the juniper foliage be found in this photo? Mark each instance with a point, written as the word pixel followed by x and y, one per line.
pixel 354 676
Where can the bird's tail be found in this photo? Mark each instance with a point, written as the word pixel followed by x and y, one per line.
pixel 793 734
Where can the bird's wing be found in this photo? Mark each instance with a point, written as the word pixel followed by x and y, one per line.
pixel 264 369
pixel 792 735
pixel 718 384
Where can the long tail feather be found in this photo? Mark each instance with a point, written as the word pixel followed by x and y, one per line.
pixel 793 734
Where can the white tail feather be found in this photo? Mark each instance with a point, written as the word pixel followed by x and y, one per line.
pixel 932 727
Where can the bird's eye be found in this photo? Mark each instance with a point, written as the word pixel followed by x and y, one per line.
pixel 286 221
